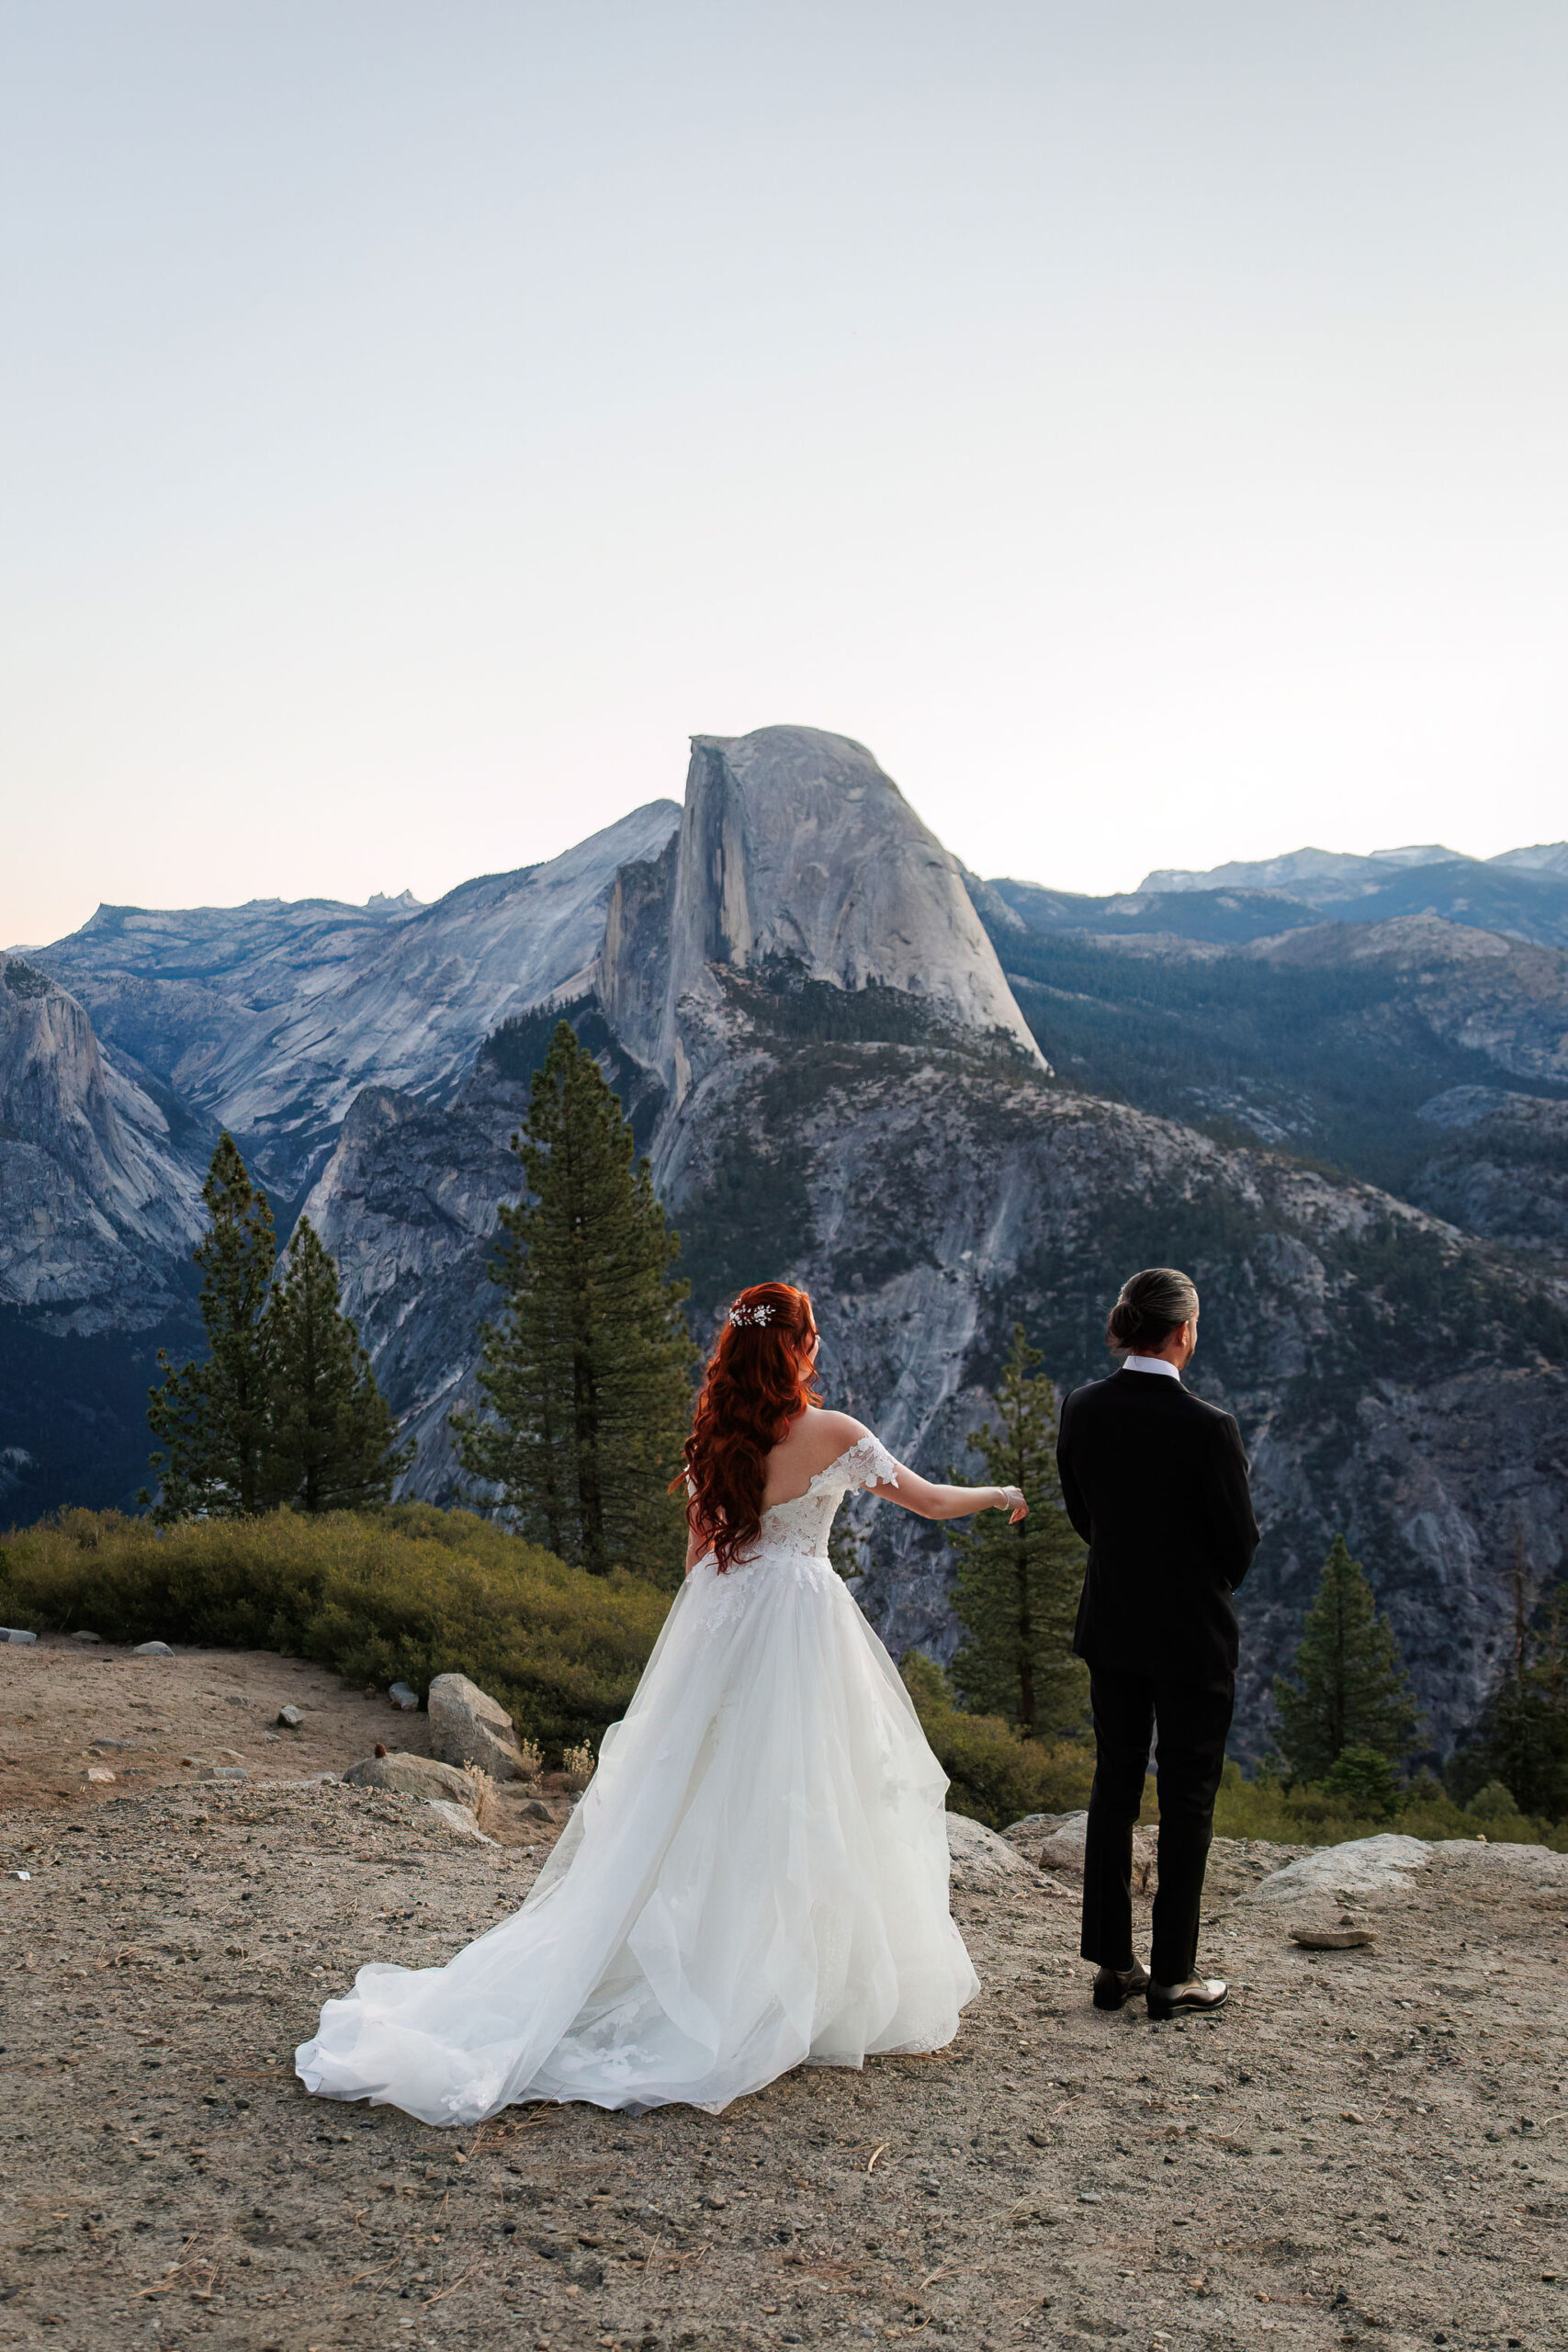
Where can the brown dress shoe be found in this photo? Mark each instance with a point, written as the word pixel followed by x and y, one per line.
pixel 1115 1987
pixel 1200 1994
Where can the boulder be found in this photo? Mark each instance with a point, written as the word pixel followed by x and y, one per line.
pixel 1063 1850
pixel 467 1726
pixel 981 1858
pixel 289 1718
pixel 1359 1867
pixel 15 1634
pixel 87 1639
pixel 152 1649
pixel 410 1776
pixel 404 1699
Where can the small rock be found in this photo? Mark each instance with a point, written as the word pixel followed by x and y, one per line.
pixel 230 1772
pixel 467 1726
pixel 152 1649
pixel 25 1876
pixel 403 1698
pixel 100 1772
pixel 290 1718
pixel 15 1634
pixel 410 1776
pixel 535 1809
pixel 87 1639
pixel 1331 1938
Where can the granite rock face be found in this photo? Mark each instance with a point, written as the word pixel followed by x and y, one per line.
pixel 270 1019
pixel 1499 1166
pixel 1506 999
pixel 408 1205
pixel 412 1019
pixel 97 1204
pixel 799 860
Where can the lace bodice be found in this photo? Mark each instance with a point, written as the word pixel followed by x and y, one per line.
pixel 794 1540
pixel 801 1524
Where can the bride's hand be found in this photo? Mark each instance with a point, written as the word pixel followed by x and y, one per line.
pixel 1012 1503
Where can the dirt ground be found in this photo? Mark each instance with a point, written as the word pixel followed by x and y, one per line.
pixel 1368 2147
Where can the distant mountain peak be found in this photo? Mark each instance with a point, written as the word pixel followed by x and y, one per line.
pixel 1300 873
pixel 1419 853
pixel 404 902
pixel 1543 857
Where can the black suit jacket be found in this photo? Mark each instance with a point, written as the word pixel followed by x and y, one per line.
pixel 1155 1481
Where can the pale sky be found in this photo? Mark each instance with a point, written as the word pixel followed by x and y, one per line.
pixel 1141 423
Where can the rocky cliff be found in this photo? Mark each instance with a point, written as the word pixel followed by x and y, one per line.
pixel 798 863
pixel 98 1205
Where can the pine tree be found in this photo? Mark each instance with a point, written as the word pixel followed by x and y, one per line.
pixel 1016 1590
pixel 588 1378
pixel 1522 1737
pixel 1350 1689
pixel 209 1418
pixel 331 1436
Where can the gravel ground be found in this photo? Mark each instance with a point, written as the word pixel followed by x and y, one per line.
pixel 1368 2147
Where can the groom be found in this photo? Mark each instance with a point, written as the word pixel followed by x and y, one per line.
pixel 1156 1483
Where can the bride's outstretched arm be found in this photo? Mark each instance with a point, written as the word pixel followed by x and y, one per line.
pixel 928 1500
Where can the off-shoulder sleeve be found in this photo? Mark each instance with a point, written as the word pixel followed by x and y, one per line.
pixel 867 1462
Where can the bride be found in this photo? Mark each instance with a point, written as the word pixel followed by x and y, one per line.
pixel 758 1874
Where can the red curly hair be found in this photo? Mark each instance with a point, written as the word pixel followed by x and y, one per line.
pixel 760 1378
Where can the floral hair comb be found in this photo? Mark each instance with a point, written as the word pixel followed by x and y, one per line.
pixel 742 1315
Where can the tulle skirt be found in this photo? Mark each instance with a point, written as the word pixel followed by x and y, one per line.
pixel 756 1877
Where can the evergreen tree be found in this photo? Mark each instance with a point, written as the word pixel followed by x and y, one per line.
pixel 1350 1689
pixel 331 1436
pixel 588 1378
pixel 1016 1591
pixel 1522 1738
pixel 1363 1778
pixel 210 1418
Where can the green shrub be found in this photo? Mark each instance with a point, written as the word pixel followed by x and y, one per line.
pixel 1315 1814
pixel 1494 1811
pixel 997 1776
pixel 405 1593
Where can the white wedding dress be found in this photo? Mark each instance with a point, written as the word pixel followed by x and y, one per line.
pixel 756 1877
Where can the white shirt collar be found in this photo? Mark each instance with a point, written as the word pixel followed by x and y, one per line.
pixel 1151 1363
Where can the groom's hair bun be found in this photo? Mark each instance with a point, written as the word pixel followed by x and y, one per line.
pixel 1150 1307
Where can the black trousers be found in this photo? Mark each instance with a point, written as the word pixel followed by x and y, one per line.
pixel 1192 1713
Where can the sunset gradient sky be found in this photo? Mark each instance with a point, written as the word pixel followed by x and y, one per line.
pixel 1140 424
